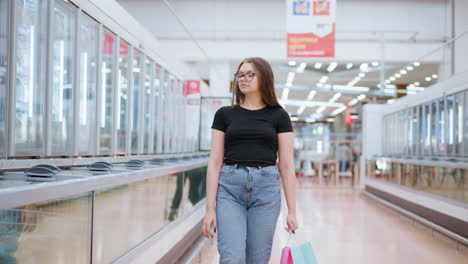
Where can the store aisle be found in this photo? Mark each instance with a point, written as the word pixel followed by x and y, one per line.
pixel 345 226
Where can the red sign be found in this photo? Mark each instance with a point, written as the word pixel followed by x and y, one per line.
pixel 321 7
pixel 108 42
pixel 123 48
pixel 191 87
pixel 311 45
pixel 310 28
pixel 348 119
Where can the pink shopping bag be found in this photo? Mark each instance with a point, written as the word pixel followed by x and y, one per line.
pixel 286 257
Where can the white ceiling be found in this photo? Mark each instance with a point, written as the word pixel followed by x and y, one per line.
pixel 206 31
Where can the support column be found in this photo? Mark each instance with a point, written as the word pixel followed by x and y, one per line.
pixel 460 24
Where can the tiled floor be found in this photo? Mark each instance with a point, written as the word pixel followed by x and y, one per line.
pixel 344 226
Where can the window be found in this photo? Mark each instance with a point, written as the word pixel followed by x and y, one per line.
pixel 123 75
pixel 30 77
pixel 87 55
pixel 137 99
pixel 4 11
pixel 62 78
pixel 106 121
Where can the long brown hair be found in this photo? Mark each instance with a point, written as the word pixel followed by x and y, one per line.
pixel 266 82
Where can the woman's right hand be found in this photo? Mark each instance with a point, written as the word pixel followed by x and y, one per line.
pixel 208 222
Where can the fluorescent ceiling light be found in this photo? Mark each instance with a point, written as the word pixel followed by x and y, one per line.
pixel 397 75
pixel 306 103
pixel 349 66
pixel 285 94
pixel 364 66
pixel 416 83
pixel 392 78
pixel 351 88
pixel 403 72
pixel 391 101
pixel 375 63
pixel 301 110
pixel 414 88
pixel 320 109
pixel 416 64
pixel 353 102
pixel 302 67
pixel 332 66
pixel 428 79
pixel 294 118
pixel 292 63
pixel 311 95
pixel 410 68
pixel 435 76
pixel 318 65
pixel 335 97
pixel 331 119
pixel 339 110
pixel 361 97
pixel 362 74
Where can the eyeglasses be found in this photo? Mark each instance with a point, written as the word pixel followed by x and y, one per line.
pixel 248 76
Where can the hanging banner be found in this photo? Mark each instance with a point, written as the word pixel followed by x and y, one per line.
pixel 311 28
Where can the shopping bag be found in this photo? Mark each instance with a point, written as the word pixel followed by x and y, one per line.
pixel 303 254
pixel 286 257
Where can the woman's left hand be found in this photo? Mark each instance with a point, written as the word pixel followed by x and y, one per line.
pixel 292 223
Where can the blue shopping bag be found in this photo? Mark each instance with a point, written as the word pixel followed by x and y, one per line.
pixel 303 254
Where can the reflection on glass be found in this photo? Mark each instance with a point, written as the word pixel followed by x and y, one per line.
pixel 106 104
pixel 171 113
pixel 147 87
pixel 137 81
pixel 122 88
pixel 4 11
pixel 447 182
pixel 62 77
pixel 433 123
pixel 427 129
pixel 420 125
pixel 156 100
pixel 56 231
pixel 441 122
pixel 30 77
pixel 465 125
pixel 137 211
pixel 163 121
pixel 186 195
pixel 88 48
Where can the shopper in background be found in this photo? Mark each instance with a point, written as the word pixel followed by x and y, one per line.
pixel 243 197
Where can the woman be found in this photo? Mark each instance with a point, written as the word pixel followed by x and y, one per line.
pixel 243 198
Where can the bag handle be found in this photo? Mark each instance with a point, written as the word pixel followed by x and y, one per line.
pixel 291 232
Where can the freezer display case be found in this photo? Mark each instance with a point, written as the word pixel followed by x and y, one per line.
pixel 137 99
pixel 30 78
pixel 87 76
pixel 61 121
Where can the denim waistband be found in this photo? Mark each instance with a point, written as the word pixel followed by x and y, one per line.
pixel 245 166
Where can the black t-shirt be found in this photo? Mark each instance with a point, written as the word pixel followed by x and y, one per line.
pixel 251 135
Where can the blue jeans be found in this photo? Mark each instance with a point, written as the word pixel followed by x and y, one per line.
pixel 248 204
